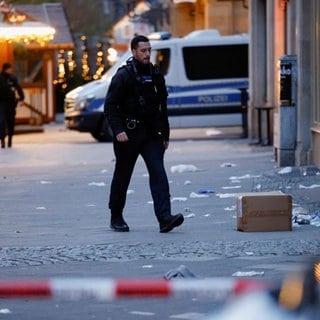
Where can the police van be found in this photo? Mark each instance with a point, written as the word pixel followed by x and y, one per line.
pixel 206 75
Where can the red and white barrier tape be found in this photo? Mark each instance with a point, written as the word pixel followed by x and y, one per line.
pixel 110 289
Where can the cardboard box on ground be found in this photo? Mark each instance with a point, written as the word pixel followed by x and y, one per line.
pixel 264 211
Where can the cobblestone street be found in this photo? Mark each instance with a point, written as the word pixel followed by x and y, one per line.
pixel 54 217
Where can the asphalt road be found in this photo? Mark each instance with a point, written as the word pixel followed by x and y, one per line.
pixel 54 222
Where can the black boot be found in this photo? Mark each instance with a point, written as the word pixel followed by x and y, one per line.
pixel 9 141
pixel 169 222
pixel 117 222
pixel 3 145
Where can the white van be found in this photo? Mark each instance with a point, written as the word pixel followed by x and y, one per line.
pixel 206 75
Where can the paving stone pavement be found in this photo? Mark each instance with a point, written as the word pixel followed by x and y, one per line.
pixel 303 184
pixel 195 250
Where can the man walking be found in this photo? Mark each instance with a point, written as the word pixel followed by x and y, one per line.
pixel 9 90
pixel 136 109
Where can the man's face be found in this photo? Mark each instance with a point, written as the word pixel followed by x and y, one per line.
pixel 142 52
pixel 9 70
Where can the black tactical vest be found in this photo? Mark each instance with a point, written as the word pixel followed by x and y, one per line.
pixel 148 90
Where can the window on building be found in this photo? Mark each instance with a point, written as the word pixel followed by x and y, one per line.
pixel 216 62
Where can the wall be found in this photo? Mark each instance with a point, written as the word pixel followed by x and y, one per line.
pixel 6 53
pixel 182 19
pixel 279 28
pixel 316 82
pixel 229 17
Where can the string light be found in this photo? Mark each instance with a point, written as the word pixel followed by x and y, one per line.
pixel 85 59
pixel 61 67
pixel 15 28
pixel 26 32
pixel 71 62
pixel 99 62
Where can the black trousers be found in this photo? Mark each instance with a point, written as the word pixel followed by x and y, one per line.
pixel 152 151
pixel 7 121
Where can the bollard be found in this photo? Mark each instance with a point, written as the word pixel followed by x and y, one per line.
pixel 244 111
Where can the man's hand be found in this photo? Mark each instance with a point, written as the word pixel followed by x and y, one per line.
pixel 122 137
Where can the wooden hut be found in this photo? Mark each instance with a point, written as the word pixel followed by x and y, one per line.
pixel 35 58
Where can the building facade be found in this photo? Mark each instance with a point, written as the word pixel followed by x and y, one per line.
pixel 228 16
pixel 284 105
pixel 284 61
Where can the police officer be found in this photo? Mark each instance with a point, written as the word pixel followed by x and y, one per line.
pixel 136 109
pixel 10 94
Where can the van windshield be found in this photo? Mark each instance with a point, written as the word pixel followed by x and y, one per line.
pixel 111 71
pixel 216 62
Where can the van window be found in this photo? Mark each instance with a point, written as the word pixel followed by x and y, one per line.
pixel 216 62
pixel 161 57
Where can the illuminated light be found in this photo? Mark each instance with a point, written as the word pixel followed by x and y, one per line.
pixel 71 62
pixel 159 35
pixel 291 292
pixel 61 68
pixel 184 1
pixel 317 271
pixel 26 32
pixel 112 55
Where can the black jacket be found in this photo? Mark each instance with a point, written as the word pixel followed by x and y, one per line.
pixel 9 86
pixel 129 96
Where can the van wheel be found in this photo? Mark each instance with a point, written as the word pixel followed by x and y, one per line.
pixel 103 133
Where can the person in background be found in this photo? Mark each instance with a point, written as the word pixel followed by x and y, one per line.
pixel 136 109
pixel 10 94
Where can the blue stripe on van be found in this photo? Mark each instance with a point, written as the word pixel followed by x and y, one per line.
pixel 96 104
pixel 220 85
pixel 207 98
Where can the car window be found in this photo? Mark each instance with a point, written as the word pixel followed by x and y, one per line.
pixel 216 62
pixel 161 57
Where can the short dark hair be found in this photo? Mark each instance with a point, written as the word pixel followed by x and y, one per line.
pixel 6 66
pixel 136 40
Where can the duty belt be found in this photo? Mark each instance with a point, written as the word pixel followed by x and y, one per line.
pixel 132 123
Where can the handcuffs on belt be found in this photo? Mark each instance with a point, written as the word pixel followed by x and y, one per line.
pixel 132 123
